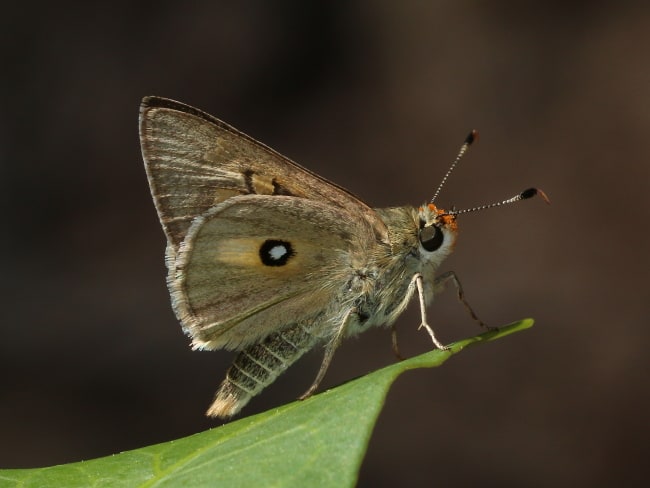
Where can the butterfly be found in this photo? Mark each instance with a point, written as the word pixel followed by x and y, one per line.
pixel 269 259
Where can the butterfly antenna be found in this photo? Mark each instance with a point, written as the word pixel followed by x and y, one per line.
pixel 524 195
pixel 463 149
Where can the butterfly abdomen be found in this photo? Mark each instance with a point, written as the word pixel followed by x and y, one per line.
pixel 258 366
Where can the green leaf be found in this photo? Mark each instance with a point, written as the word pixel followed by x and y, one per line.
pixel 320 441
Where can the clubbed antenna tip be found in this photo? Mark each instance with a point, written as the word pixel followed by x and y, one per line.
pixel 531 192
pixel 471 137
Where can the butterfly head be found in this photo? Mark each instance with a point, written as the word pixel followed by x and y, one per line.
pixel 438 228
pixel 437 225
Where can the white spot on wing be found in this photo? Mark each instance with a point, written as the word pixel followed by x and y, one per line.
pixel 276 252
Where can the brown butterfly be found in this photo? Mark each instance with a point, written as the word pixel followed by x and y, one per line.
pixel 270 259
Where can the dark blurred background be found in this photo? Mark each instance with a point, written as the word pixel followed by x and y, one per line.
pixel 376 96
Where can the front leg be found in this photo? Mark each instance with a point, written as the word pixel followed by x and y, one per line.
pixel 416 283
pixel 419 283
pixel 442 280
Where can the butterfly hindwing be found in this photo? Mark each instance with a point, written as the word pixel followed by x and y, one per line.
pixel 255 263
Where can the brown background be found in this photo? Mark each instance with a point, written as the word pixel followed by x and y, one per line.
pixel 376 97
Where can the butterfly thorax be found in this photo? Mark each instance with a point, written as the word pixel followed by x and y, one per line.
pixel 380 289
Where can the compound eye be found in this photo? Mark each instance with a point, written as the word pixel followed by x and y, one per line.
pixel 431 237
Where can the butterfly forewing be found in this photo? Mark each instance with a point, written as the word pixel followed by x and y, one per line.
pixel 194 161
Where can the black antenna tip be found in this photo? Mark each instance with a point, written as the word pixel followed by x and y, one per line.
pixel 531 192
pixel 471 137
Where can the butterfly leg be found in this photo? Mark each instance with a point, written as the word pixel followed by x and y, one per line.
pixel 443 279
pixel 331 347
pixel 393 336
pixel 417 280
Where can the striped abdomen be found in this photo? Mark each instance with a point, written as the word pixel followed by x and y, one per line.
pixel 258 366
